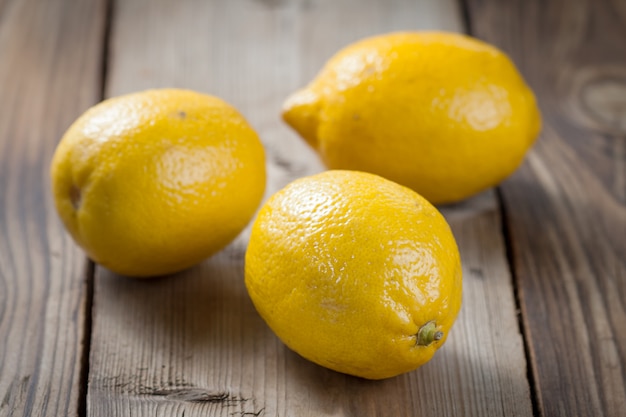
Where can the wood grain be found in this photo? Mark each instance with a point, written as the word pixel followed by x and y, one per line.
pixel 192 344
pixel 566 208
pixel 49 73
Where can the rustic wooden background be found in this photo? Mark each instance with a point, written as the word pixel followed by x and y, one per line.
pixel 542 331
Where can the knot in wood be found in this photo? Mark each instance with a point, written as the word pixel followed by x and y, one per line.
pixel 599 96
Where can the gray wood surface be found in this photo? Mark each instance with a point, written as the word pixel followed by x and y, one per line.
pixel 566 207
pixel 192 344
pixel 50 54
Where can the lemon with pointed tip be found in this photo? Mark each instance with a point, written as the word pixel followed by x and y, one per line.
pixel 153 182
pixel 355 273
pixel 442 113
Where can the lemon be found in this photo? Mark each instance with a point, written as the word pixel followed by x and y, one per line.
pixel 442 113
pixel 355 273
pixel 153 182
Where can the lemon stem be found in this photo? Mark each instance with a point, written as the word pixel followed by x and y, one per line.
pixel 75 197
pixel 428 334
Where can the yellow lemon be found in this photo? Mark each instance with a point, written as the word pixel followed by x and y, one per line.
pixel 444 114
pixel 355 273
pixel 153 182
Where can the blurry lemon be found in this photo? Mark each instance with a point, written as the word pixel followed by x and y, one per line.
pixel 153 182
pixel 441 113
pixel 354 272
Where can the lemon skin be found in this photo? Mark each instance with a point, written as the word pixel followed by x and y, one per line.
pixel 355 273
pixel 442 113
pixel 153 182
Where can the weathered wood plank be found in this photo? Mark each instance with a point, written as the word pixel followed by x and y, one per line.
pixel 50 56
pixel 566 208
pixel 193 344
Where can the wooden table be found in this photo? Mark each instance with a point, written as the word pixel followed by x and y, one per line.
pixel 543 326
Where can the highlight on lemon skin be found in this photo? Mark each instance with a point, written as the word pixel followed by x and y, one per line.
pixel 442 113
pixel 355 273
pixel 153 182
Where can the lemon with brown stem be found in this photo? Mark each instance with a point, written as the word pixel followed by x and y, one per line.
pixel 153 182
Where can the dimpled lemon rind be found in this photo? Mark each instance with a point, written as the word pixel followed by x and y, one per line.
pixel 352 271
